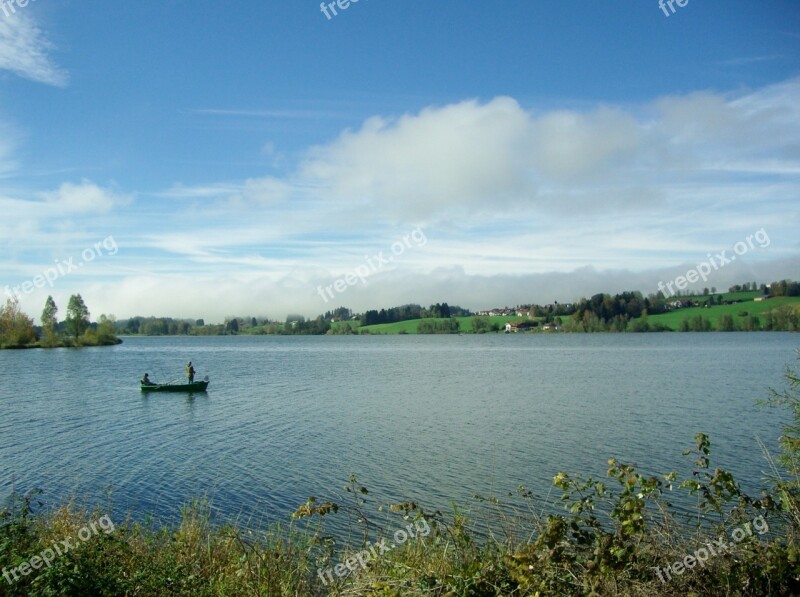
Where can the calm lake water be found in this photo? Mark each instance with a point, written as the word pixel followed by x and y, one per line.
pixel 430 419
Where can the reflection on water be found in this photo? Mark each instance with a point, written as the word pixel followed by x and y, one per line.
pixel 430 419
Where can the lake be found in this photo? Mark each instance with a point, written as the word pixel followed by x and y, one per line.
pixel 432 419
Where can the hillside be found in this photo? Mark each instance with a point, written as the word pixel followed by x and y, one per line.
pixel 746 315
pixel 739 311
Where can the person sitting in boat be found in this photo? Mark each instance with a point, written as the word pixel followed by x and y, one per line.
pixel 146 380
pixel 190 372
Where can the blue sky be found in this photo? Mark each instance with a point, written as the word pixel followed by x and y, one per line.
pixel 238 160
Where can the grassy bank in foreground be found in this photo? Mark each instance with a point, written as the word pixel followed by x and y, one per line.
pixel 618 536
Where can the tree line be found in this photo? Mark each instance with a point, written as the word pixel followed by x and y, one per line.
pixel 412 311
pixel 232 326
pixel 18 331
pixel 784 288
pixel 628 311
pixel 624 311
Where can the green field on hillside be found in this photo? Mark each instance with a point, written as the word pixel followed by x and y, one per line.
pixel 672 320
pixel 353 323
pixel 738 311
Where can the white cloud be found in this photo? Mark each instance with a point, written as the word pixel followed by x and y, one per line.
pixel 263 192
pixel 86 197
pixel 465 160
pixel 442 159
pixel 66 217
pixel 750 126
pixel 212 191
pixel 24 50
pixel 570 147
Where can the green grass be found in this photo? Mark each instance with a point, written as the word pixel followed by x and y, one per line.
pixel 354 323
pixel 673 318
pixel 399 327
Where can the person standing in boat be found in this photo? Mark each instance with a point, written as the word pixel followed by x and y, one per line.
pixel 190 372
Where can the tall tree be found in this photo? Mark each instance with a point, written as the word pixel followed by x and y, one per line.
pixel 232 326
pixel 77 316
pixel 49 320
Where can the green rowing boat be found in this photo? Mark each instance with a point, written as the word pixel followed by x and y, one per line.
pixel 197 386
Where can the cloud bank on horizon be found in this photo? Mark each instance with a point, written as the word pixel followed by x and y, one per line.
pixel 521 199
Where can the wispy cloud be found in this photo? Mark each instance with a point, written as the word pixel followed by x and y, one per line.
pixel 24 50
pixel 214 191
pixel 50 216
pixel 745 61
pixel 8 163
pixel 273 114
pixel 85 197
pixel 533 191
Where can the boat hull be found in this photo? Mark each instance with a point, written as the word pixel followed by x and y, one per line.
pixel 198 386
